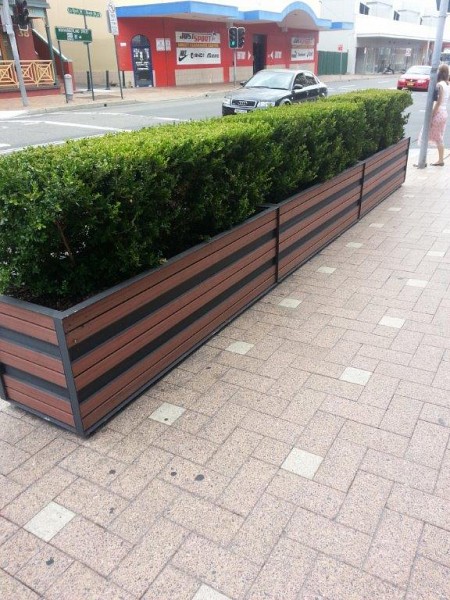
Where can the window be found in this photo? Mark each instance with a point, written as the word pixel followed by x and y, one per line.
pixel 310 79
pixel 396 16
pixel 363 9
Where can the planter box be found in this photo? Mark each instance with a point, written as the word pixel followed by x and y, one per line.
pixel 78 367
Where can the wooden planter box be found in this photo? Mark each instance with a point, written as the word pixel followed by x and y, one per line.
pixel 78 367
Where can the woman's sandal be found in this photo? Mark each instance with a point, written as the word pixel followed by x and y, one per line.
pixel 438 164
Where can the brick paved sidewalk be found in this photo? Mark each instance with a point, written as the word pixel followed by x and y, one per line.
pixel 303 453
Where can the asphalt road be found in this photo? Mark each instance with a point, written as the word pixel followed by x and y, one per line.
pixel 22 130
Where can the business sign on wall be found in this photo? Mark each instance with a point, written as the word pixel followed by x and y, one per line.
pixel 302 48
pixel 197 48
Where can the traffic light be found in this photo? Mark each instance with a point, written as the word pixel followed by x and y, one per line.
pixel 240 37
pixel 21 14
pixel 233 37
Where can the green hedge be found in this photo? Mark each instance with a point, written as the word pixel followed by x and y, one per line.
pixel 81 217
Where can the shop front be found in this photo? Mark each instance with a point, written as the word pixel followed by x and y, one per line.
pixel 185 43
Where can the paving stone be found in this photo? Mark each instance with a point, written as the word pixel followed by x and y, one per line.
pixel 428 444
pixel 429 581
pixel 272 451
pixel 82 583
pixel 340 465
pixel 284 573
pixel 302 463
pixel 364 503
pixel 98 549
pixel 223 423
pixel 343 389
pixel 400 470
pixel 333 579
pixel 194 478
pixel 11 457
pixel 247 487
pixel 217 567
pixel 435 544
pixel 93 466
pixel 18 550
pixel 167 413
pixel 266 425
pixel 265 403
pixel 262 529
pixel 13 589
pixel 208 593
pixel 139 568
pixel 204 518
pixel 372 437
pixel 49 521
pixel 44 568
pixel 8 490
pixel 355 411
pixel 187 446
pixel 394 548
pixel 402 415
pixel 174 584
pixel 420 505
pixel 328 537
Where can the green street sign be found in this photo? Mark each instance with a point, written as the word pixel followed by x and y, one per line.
pixel 84 12
pixel 72 34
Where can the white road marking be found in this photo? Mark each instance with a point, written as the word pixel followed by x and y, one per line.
pixel 98 127
pixel 5 145
pixel 10 114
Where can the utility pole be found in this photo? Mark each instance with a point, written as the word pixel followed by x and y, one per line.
pixel 443 9
pixel 9 29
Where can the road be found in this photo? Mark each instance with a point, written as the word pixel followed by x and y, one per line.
pixel 22 130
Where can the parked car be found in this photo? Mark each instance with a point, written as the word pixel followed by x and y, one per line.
pixel 274 87
pixel 416 78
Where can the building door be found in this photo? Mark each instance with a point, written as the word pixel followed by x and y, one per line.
pixel 259 52
pixel 142 61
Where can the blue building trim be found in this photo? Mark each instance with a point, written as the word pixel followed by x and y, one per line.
pixel 189 7
pixel 277 17
pixel 184 7
pixel 341 26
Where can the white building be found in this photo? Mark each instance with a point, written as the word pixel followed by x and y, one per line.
pixel 398 33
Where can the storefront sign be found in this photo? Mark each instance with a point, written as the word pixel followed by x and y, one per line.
pixel 302 48
pixel 197 48
pixel 163 44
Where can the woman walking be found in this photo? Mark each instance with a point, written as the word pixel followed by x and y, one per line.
pixel 439 114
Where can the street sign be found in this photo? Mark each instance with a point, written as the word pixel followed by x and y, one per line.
pixel 84 12
pixel 72 34
pixel 6 19
pixel 113 24
pixel 408 51
pixel 340 47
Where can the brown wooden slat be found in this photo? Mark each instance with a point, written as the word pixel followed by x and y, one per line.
pixel 306 200
pixel 33 368
pixel 43 409
pixel 33 317
pixel 303 228
pixel 298 256
pixel 369 203
pixel 38 394
pixel 250 230
pixel 39 358
pixel 90 366
pixel 180 344
pixel 395 168
pixel 36 331
pixel 94 325
pixel 141 379
pixel 373 162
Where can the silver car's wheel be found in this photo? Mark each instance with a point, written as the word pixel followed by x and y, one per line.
pixel 285 102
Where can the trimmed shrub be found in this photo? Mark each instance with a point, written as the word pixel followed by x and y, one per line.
pixel 384 116
pixel 81 217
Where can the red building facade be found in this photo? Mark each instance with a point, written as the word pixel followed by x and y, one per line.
pixel 173 50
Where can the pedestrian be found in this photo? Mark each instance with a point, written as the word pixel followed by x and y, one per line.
pixel 439 114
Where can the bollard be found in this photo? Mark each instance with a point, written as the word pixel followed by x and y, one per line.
pixel 88 75
pixel 68 86
pixel 107 80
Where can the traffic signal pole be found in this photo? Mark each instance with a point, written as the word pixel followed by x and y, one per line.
pixel 89 60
